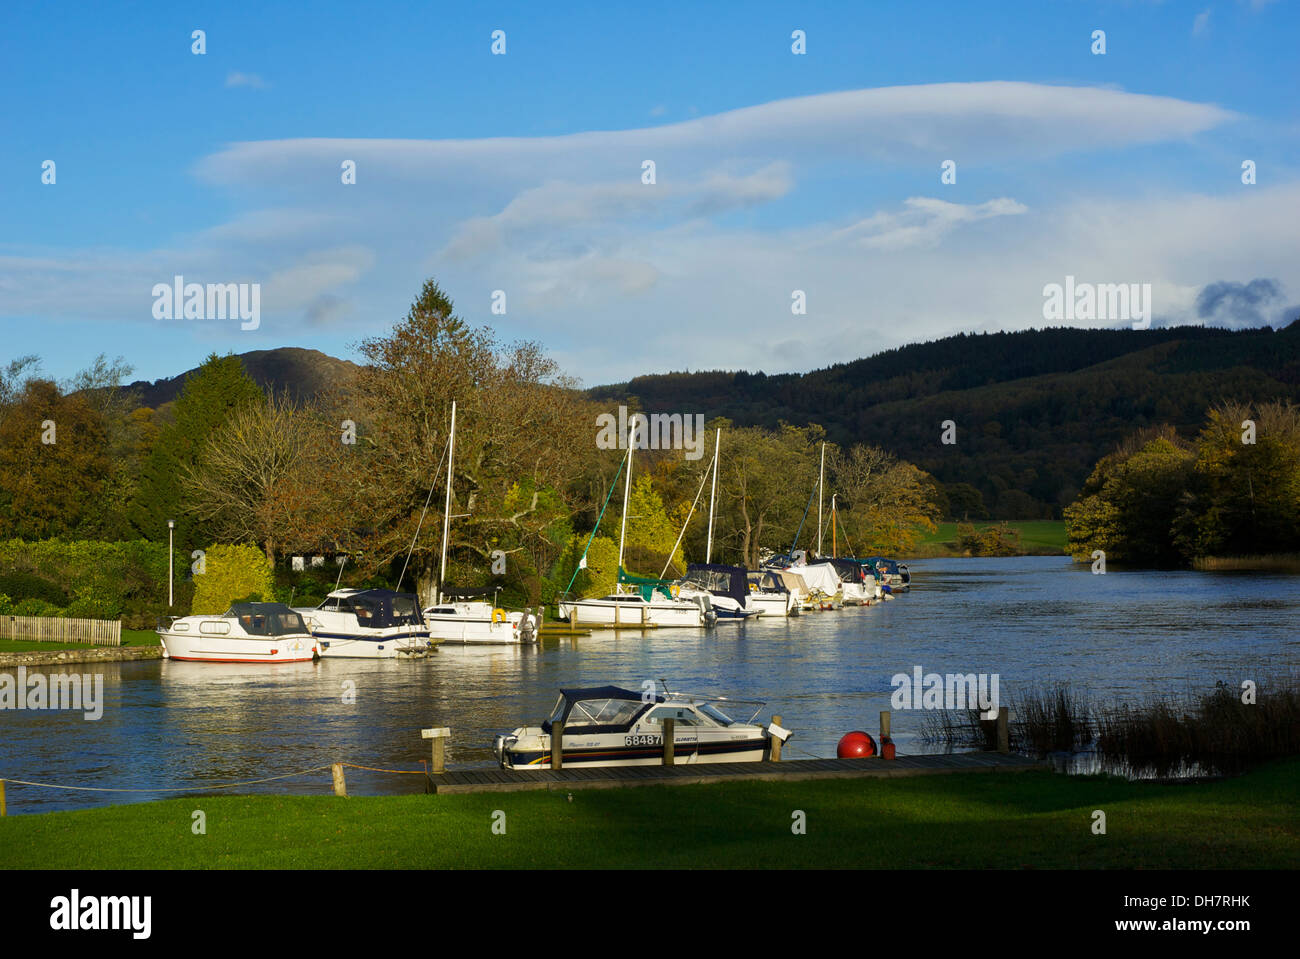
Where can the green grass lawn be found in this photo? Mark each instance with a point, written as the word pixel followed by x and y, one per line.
pixel 130 637
pixel 1037 536
pixel 967 820
pixel 27 646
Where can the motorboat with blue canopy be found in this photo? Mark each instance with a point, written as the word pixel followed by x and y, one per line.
pixel 368 624
pixel 614 726
pixel 727 588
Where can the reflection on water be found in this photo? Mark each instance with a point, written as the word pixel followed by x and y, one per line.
pixel 1120 637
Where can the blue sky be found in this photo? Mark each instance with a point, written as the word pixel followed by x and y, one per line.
pixel 774 172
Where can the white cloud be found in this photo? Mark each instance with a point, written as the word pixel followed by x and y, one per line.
pixel 250 80
pixel 981 122
pixel 1201 23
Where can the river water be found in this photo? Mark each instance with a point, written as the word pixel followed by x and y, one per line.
pixel 1033 621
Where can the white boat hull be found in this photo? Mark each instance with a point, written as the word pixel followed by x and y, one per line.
pixel 599 612
pixel 238 649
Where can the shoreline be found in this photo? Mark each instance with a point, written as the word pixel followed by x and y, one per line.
pixel 99 654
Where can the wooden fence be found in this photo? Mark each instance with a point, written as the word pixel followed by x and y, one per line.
pixel 53 629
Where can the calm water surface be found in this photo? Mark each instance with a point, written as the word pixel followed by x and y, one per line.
pixel 1032 620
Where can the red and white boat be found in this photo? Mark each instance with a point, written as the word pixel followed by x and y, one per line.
pixel 245 633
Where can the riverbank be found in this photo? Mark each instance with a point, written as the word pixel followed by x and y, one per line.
pixel 1038 537
pixel 137 644
pixel 1037 820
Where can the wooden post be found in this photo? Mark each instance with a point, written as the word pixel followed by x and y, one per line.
pixel 1004 736
pixel 670 733
pixel 884 725
pixel 439 735
pixel 557 745
pixel 340 786
pixel 776 743
pixel 2 798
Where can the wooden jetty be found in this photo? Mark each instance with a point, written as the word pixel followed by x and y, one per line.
pixel 615 777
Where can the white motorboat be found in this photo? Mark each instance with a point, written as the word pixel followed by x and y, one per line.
pixel 612 726
pixel 770 596
pixel 726 587
pixel 855 589
pixel 633 609
pixel 368 624
pixel 245 633
pixel 461 618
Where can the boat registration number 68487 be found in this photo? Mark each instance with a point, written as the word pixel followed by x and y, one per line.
pixel 643 740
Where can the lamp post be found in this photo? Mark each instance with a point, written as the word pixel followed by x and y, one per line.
pixel 171 566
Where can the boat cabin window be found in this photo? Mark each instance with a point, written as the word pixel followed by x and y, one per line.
pixel 366 610
pixel 683 715
pixel 214 626
pixel 332 603
pixel 445 610
pixel 406 612
pixel 603 712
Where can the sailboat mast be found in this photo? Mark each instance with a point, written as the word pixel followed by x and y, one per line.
pixel 446 513
pixel 835 551
pixel 627 491
pixel 821 484
pixel 717 443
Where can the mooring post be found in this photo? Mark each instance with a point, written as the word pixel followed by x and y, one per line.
pixel 775 741
pixel 670 733
pixel 2 798
pixel 439 735
pixel 884 725
pixel 557 745
pixel 340 786
pixel 1004 736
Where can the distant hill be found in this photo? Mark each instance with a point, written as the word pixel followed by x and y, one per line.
pixel 1034 410
pixel 304 373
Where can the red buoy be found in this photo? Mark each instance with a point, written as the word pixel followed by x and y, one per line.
pixel 887 749
pixel 855 745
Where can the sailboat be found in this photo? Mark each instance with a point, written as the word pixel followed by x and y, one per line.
pixel 460 615
pixel 646 607
pixel 725 587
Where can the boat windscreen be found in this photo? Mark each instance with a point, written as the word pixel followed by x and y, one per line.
pixel 716 714
pixel 603 712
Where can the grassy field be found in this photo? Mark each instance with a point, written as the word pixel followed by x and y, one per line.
pixel 1038 537
pixel 130 637
pixel 970 820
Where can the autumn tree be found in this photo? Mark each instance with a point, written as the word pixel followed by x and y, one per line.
pixel 522 435
pixel 889 503
pixel 764 481
pixel 53 459
pixel 257 479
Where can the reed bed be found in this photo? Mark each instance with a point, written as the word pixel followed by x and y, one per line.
pixel 1044 720
pixel 1167 736
pixel 1276 563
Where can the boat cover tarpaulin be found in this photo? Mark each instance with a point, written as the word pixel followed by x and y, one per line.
pixel 820 577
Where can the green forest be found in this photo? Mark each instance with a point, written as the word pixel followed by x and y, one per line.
pixel 1164 447
pixel 357 469
pixel 1034 411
